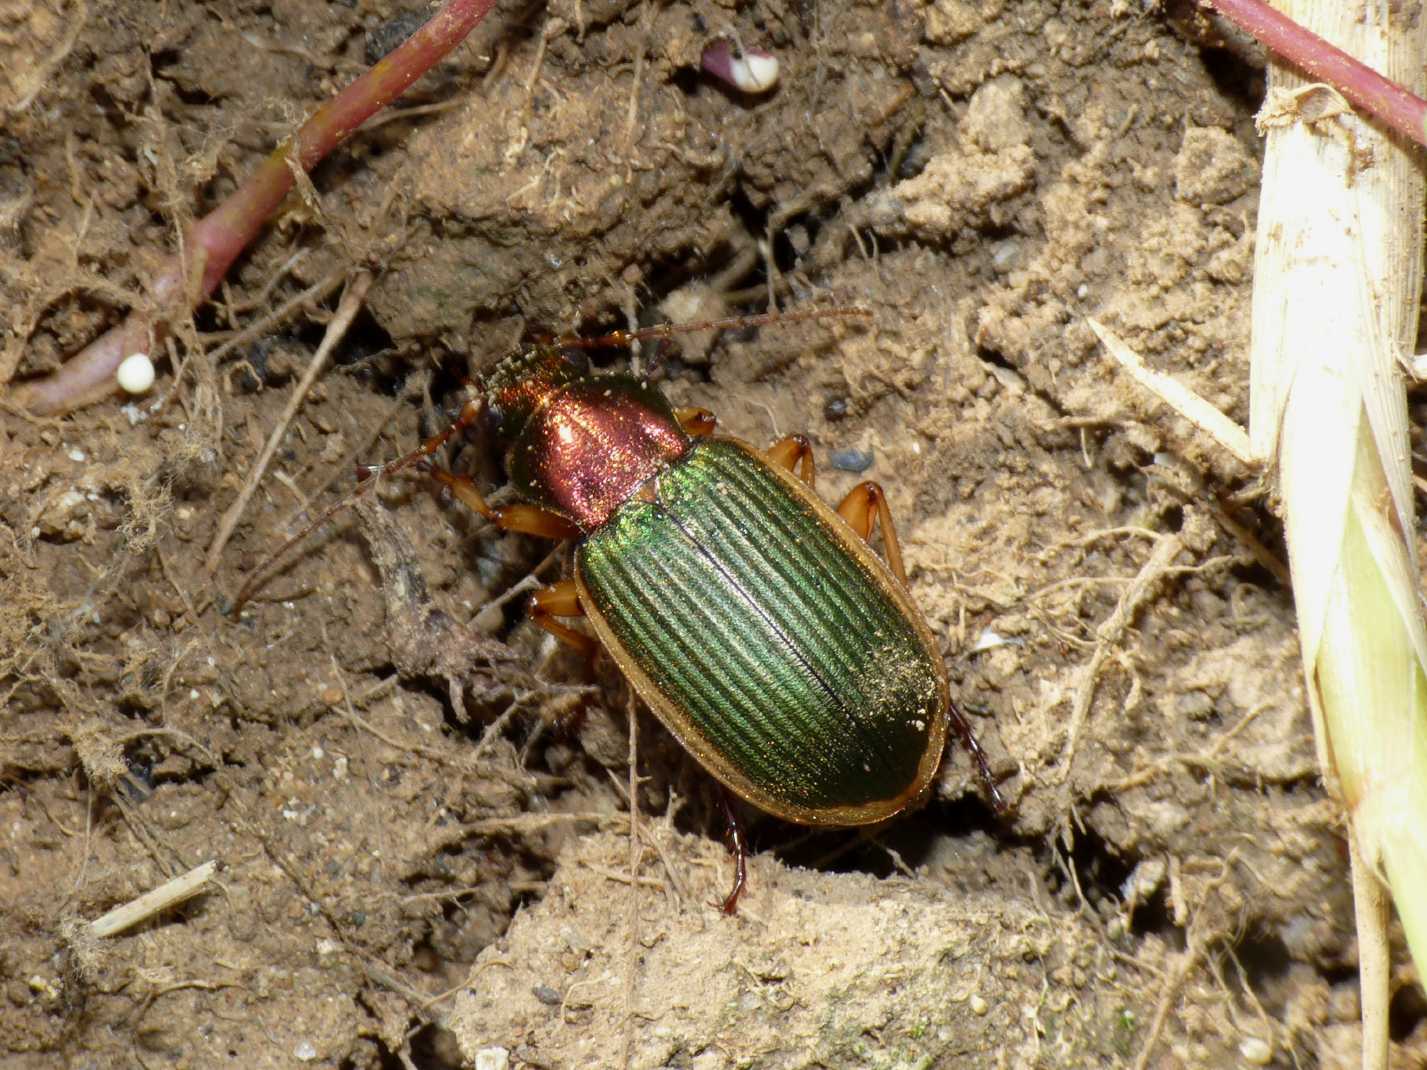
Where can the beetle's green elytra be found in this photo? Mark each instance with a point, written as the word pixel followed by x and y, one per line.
pixel 769 639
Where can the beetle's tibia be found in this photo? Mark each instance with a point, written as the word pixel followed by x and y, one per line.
pixel 738 847
pixel 962 727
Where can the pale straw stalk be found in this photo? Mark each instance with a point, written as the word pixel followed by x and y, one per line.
pixel 1337 278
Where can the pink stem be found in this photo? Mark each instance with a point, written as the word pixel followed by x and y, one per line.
pixel 217 239
pixel 1387 101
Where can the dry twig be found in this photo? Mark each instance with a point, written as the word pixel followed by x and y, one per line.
pixel 347 308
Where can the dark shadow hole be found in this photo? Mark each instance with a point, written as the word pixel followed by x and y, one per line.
pixel 1406 1012
pixel 1234 77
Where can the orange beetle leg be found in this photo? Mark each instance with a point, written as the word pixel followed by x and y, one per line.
pixel 865 503
pixel 793 451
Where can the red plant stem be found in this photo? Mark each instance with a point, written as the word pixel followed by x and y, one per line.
pixel 1387 101
pixel 217 239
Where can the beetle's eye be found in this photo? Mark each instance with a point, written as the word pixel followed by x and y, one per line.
pixel 576 360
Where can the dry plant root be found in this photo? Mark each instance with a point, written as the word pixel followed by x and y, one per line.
pixel 215 241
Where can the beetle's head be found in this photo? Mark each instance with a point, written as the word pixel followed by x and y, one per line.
pixel 522 383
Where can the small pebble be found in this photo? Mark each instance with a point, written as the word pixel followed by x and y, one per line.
pixel 851 460
pixel 990 640
pixel 1004 254
pixel 978 1006
pixel 135 373
pixel 304 1052
pixel 492 1059
pixel 547 995
pixel 1256 1052
pixel 386 37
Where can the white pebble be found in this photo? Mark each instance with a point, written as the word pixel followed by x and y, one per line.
pixel 988 640
pixel 135 373
pixel 1256 1051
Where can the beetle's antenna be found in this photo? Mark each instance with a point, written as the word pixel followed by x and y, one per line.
pixel 366 479
pixel 469 414
pixel 668 330
pixel 268 567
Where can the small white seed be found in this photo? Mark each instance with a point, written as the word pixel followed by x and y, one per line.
pixel 749 70
pixel 135 373
pixel 754 71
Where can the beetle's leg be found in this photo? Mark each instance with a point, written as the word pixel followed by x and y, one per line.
pixel 867 502
pixel 962 727
pixel 526 519
pixel 696 421
pixel 793 451
pixel 561 600
pixel 738 846
pixel 532 520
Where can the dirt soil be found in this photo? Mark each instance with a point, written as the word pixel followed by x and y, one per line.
pixel 420 803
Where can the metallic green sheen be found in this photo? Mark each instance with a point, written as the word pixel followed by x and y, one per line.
pixel 784 654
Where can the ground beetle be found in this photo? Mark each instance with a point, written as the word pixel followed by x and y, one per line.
pixel 753 619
